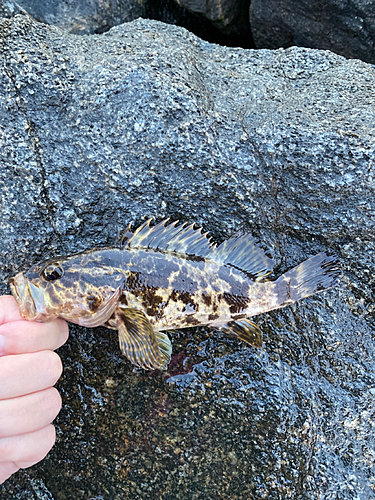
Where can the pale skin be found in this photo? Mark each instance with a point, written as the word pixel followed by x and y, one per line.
pixel 29 403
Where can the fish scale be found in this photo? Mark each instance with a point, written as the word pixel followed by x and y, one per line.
pixel 166 277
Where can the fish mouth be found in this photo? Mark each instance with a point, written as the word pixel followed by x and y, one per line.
pixel 30 299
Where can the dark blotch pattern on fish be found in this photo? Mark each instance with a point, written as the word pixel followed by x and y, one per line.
pixel 123 300
pixel 132 283
pixel 152 302
pixel 207 298
pixel 185 297
pixel 191 320
pixel 94 302
pixel 236 303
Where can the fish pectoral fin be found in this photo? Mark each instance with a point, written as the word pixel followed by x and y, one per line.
pixel 138 341
pixel 245 330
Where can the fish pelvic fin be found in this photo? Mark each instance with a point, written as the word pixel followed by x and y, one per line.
pixel 165 348
pixel 139 342
pixel 316 274
pixel 245 330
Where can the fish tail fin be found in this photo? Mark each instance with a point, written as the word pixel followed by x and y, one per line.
pixel 312 276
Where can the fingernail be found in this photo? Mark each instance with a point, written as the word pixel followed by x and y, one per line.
pixel 2 343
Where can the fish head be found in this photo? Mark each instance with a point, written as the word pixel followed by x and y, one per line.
pixel 76 288
pixel 35 292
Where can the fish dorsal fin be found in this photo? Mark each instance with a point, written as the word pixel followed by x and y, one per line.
pixel 122 238
pixel 244 253
pixel 245 330
pixel 241 251
pixel 183 238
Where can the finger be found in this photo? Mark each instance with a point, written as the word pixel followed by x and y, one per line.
pixel 26 336
pixel 25 465
pixel 6 470
pixel 9 309
pixel 27 373
pixel 28 449
pixel 28 413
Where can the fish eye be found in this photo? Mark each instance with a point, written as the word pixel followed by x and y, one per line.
pixel 52 272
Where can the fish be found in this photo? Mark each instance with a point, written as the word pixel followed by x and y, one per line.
pixel 167 277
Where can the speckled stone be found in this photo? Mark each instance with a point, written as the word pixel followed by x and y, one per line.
pixel 346 27
pixel 148 120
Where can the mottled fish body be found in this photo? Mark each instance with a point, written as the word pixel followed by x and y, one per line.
pixel 167 277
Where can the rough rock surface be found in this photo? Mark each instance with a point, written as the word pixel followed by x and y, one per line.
pixel 229 16
pixel 346 27
pixel 10 9
pixel 147 120
pixel 85 17
pixel 81 16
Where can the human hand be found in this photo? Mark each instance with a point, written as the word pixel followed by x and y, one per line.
pixel 28 401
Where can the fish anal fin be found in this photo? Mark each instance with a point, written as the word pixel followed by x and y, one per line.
pixel 138 341
pixel 245 330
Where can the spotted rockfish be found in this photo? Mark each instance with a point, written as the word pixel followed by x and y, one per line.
pixel 167 277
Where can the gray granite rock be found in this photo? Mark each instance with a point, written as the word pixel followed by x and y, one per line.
pixel 346 27
pixel 229 16
pixel 148 120
pixel 85 17
pixel 81 16
pixel 8 8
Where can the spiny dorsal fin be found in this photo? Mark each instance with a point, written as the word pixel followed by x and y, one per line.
pixel 240 251
pixel 184 239
pixel 122 238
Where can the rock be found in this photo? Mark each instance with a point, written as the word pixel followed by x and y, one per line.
pixel 10 9
pixel 84 17
pixel 148 120
pixel 78 17
pixel 229 16
pixel 342 26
